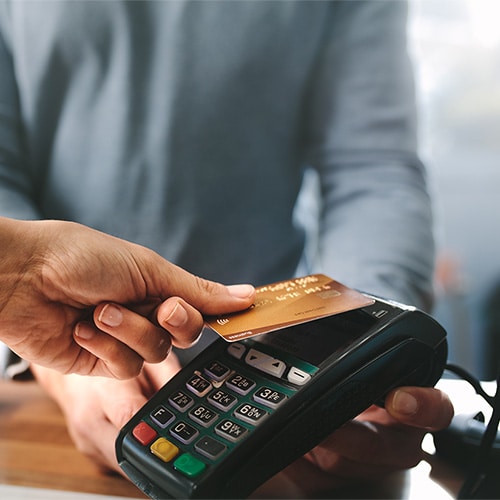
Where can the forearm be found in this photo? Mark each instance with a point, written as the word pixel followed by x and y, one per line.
pixel 376 230
pixel 376 225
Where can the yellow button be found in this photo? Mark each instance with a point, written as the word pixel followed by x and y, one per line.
pixel 164 449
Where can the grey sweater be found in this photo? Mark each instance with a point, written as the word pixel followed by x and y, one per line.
pixel 187 126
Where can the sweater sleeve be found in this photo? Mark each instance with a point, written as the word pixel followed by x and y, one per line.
pixel 16 187
pixel 375 230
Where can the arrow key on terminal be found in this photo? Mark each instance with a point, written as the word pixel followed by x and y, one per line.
pixel 265 363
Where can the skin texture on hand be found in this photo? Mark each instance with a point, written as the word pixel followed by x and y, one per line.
pixel 80 301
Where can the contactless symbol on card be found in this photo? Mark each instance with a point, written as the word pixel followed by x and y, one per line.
pixel 288 303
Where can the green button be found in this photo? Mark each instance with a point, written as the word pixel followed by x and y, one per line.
pixel 189 465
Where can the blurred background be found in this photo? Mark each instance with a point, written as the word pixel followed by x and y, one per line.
pixel 455 46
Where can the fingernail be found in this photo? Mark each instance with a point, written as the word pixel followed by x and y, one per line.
pixel 84 331
pixel 111 315
pixel 177 317
pixel 405 403
pixel 241 291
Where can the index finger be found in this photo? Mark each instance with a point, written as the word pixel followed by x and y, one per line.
pixel 422 407
pixel 165 279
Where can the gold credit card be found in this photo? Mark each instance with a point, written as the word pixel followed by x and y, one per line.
pixel 288 303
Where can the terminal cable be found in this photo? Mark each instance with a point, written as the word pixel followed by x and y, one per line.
pixel 478 473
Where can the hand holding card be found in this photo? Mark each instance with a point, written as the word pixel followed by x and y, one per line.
pixel 287 303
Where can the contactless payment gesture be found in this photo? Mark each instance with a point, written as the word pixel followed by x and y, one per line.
pixel 289 303
pixel 308 356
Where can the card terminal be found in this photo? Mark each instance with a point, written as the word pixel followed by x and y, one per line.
pixel 242 411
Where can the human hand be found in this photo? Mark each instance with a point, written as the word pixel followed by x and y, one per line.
pixel 383 440
pixel 80 301
pixel 371 447
pixel 96 408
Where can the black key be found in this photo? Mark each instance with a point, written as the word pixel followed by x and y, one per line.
pixel 210 447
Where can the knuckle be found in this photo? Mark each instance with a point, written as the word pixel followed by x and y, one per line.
pixel 160 351
pixel 122 364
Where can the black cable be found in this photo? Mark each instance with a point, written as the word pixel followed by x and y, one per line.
pixel 464 374
pixel 477 475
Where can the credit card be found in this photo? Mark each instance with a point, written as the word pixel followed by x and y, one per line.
pixel 286 303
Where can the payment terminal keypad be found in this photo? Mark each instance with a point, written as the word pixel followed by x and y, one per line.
pixel 217 405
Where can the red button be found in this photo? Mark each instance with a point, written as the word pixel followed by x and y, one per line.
pixel 144 433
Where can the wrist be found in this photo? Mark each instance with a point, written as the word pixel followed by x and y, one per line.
pixel 17 256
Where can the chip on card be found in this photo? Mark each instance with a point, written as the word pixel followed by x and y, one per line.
pixel 287 303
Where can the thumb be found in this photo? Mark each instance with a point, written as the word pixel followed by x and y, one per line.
pixel 425 408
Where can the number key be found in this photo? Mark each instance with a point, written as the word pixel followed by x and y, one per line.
pixel 230 430
pixel 217 371
pixel 240 384
pixel 199 385
pixel 184 432
pixel 269 397
pixel 181 401
pixel 203 415
pixel 222 400
pixel 250 413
